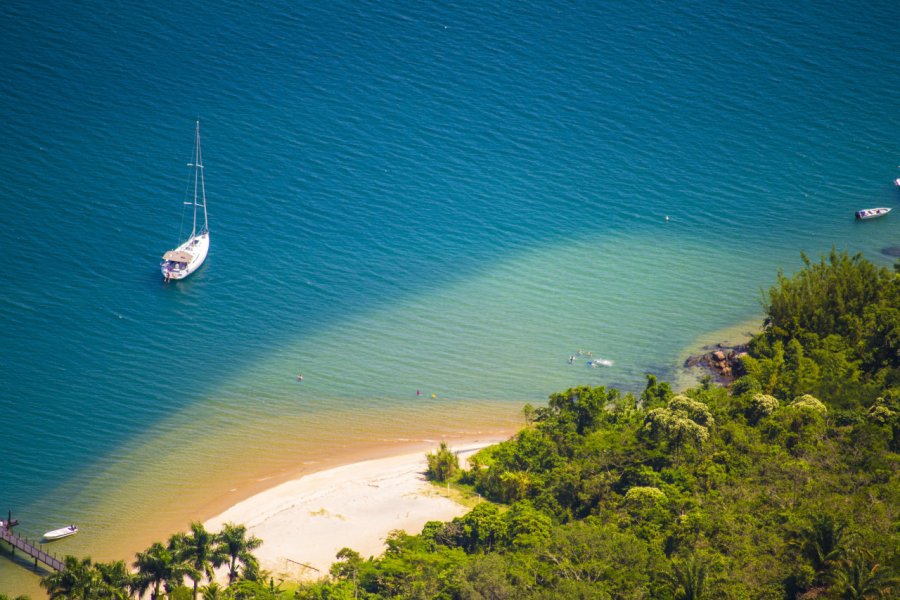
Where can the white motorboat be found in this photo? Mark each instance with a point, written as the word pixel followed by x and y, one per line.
pixel 872 213
pixel 187 258
pixel 61 532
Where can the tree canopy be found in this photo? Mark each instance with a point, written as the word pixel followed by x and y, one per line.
pixel 784 486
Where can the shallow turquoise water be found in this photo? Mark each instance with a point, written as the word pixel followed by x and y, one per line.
pixel 451 198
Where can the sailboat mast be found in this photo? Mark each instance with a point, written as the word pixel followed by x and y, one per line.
pixel 196 173
pixel 202 181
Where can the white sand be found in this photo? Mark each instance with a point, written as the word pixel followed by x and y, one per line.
pixel 303 523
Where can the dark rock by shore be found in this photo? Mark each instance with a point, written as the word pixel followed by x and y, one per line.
pixel 721 361
pixel 893 251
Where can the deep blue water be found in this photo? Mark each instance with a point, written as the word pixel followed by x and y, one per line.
pixel 449 196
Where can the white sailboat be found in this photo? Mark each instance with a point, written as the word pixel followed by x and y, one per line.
pixel 187 258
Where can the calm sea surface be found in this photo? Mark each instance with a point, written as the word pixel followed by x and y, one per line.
pixel 442 197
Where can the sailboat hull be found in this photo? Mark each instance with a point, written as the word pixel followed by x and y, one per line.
pixel 194 250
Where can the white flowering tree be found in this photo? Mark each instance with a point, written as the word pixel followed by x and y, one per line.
pixel 683 421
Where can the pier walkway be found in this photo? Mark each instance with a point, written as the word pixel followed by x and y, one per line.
pixel 19 543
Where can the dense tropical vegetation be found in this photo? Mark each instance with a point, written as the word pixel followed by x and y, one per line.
pixel 785 485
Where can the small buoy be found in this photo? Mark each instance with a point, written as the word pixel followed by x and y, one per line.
pixel 434 395
pixel 667 217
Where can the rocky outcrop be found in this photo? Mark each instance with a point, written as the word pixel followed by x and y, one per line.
pixel 721 361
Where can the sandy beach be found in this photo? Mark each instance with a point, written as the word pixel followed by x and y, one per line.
pixel 303 523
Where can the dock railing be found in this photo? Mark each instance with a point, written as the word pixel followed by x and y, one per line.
pixel 20 543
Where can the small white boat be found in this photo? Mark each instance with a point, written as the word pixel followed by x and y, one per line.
pixel 872 213
pixel 897 182
pixel 187 258
pixel 61 532
pixel 600 362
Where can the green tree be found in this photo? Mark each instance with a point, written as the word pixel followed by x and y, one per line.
pixel 801 373
pixel 824 541
pixel 832 329
pixel 198 550
pixel 857 577
pixel 213 591
pixel 347 565
pixel 443 464
pixel 689 578
pixel 78 580
pixel 478 530
pixel 117 581
pixel 246 589
pixel 486 578
pixel 681 422
pixel 598 559
pixel 157 566
pixel 525 526
pixel 655 394
pixel 760 407
pixel 235 548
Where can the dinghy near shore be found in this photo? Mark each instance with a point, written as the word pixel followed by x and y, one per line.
pixel 61 533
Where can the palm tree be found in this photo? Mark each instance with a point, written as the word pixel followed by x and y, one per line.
pixel 213 591
pixel 236 548
pixel 78 579
pixel 197 550
pixel 690 576
pixel 156 566
pixel 825 541
pixel 116 580
pixel 859 578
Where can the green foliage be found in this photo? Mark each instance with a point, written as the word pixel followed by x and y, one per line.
pixel 655 394
pixel 162 569
pixel 590 556
pixel 833 330
pixel 858 577
pixel 155 567
pixel 760 407
pixel 443 464
pixel 683 421
pixel 778 499
pixel 79 579
pixel 198 550
pixel 235 549
pixel 809 403
pixel 689 578
pixel 525 526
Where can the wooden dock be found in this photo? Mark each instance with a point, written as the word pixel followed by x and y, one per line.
pixel 19 543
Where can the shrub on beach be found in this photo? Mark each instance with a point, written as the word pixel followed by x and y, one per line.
pixel 443 464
